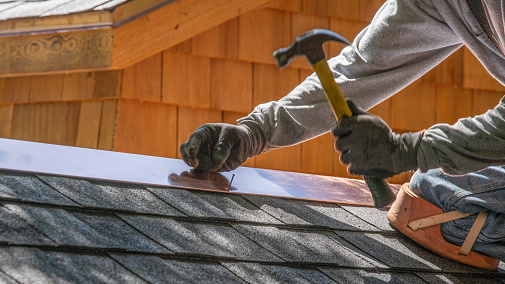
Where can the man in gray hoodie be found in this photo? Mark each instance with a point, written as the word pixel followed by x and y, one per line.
pixel 460 165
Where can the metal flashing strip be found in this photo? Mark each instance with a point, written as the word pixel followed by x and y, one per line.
pixel 69 161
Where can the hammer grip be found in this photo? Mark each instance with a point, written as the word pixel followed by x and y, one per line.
pixel 382 194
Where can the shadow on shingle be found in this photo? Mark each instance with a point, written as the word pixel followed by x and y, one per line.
pixel 26 187
pixel 306 246
pixel 374 216
pixel 88 230
pixel 110 195
pixel 459 279
pixel 14 230
pixel 398 251
pixel 31 265
pixel 260 273
pixel 303 212
pixel 361 276
pixel 6 279
pixel 215 239
pixel 158 270
pixel 214 205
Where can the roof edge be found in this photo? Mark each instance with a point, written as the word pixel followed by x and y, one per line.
pixel 52 24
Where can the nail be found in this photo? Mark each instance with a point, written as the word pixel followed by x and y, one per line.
pixel 229 185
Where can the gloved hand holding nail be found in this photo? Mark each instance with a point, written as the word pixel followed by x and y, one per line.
pixel 221 147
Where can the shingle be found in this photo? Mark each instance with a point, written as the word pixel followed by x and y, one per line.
pixel 78 229
pixel 110 195
pixel 158 270
pixel 28 188
pixel 401 252
pixel 8 5
pixel 471 279
pixel 309 212
pixel 258 273
pixel 192 238
pixel 217 205
pixel 74 7
pixel 120 234
pixel 374 216
pixel 6 279
pixel 110 5
pixel 447 278
pixel 16 231
pixel 31 9
pixel 298 246
pixel 31 265
pixel 365 277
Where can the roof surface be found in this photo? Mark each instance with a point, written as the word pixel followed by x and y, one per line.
pixel 11 9
pixel 57 229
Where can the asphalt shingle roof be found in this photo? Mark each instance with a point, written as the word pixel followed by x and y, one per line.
pixel 11 9
pixel 59 229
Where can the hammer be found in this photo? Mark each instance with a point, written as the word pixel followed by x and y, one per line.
pixel 310 44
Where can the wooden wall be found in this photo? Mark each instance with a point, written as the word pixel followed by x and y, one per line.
pixel 75 109
pixel 219 76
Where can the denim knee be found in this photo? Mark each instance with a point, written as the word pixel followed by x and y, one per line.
pixel 474 192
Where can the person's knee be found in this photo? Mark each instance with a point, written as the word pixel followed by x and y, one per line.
pixel 428 184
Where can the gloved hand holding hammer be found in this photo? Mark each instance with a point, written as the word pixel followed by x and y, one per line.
pixel 368 146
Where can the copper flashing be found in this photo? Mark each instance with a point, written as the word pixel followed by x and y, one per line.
pixel 59 160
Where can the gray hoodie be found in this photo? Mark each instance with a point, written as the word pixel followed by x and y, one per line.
pixel 405 39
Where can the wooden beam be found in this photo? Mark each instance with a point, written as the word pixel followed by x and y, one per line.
pixel 53 52
pixel 135 9
pixel 172 24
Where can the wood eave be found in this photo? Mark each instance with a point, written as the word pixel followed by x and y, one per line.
pixel 106 40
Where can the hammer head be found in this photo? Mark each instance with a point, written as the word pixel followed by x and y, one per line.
pixel 309 44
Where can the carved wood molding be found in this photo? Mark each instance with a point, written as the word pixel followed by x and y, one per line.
pixel 69 51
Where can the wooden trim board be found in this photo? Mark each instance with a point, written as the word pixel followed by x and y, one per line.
pixel 27 26
pixel 40 158
pixel 56 52
pixel 135 9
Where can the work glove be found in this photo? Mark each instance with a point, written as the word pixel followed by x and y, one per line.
pixel 368 146
pixel 221 147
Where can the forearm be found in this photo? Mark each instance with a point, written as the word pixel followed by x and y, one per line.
pixel 469 145
pixel 402 43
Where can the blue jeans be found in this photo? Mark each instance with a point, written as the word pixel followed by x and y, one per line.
pixel 470 193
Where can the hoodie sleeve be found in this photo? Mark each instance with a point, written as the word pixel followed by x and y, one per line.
pixel 405 39
pixel 469 145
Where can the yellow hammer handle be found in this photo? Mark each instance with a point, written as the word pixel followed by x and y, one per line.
pixel 331 89
pixel 382 194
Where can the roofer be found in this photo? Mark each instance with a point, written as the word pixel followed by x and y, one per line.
pixel 460 165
